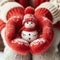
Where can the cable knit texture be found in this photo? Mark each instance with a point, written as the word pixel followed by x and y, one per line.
pixel 53 10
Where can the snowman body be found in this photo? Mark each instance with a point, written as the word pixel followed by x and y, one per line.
pixel 29 33
pixel 29 36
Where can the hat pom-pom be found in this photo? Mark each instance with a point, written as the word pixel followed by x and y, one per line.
pixel 29 10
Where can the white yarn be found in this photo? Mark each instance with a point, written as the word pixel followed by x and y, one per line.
pixel 53 9
pixel 9 54
pixel 58 1
pixel 2 2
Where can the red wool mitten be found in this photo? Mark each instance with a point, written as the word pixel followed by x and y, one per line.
pixel 45 39
pixel 29 10
pixel 16 43
pixel 12 15
pixel 47 11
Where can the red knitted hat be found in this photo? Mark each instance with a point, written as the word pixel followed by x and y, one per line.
pixel 29 17
pixel 29 10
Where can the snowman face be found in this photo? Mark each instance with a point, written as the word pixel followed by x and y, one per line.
pixel 30 24
pixel 29 36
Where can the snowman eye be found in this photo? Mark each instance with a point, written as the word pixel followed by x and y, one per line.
pixel 27 22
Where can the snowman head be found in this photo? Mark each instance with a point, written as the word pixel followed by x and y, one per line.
pixel 29 24
pixel 29 21
pixel 29 36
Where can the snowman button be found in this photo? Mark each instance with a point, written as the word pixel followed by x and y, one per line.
pixel 29 34
pixel 29 38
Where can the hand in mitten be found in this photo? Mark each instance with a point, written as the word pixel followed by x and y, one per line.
pixel 12 12
pixel 46 9
pixel 15 13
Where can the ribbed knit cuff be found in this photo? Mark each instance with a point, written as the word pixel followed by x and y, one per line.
pixel 43 12
pixel 6 8
pixel 52 8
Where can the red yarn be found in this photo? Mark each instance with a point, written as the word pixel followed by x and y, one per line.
pixel 17 12
pixel 29 10
pixel 30 19
pixel 43 12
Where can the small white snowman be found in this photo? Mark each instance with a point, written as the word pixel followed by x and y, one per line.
pixel 29 31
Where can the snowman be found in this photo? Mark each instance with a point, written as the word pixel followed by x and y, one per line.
pixel 29 31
